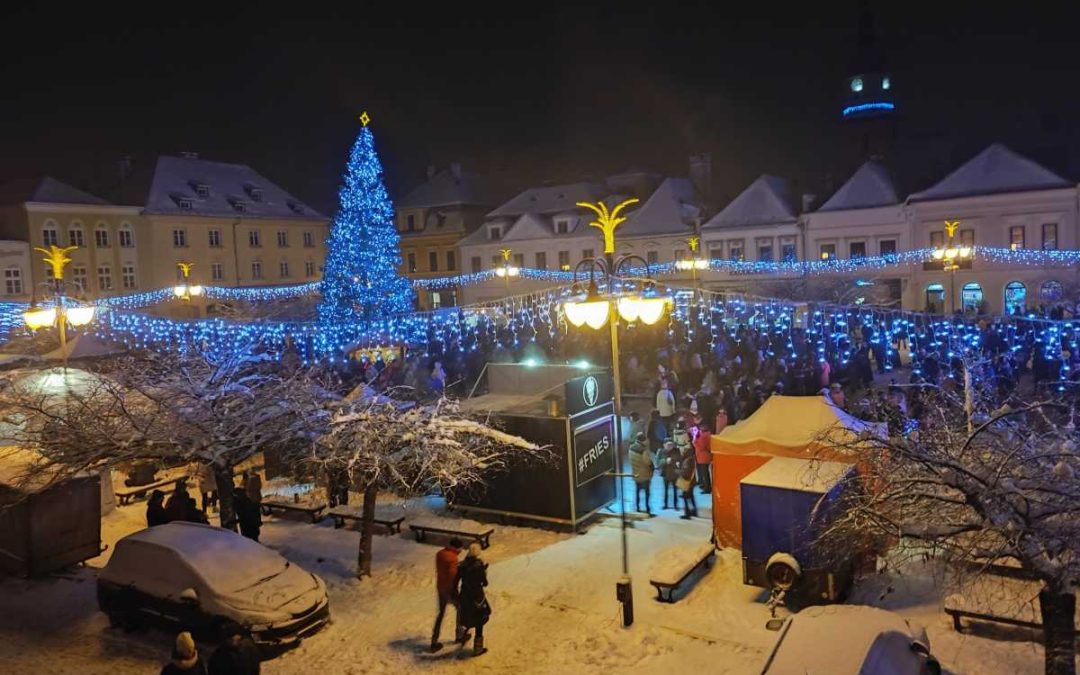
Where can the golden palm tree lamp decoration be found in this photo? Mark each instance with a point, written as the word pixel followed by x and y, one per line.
pixel 61 313
pixel 187 290
pixel 607 221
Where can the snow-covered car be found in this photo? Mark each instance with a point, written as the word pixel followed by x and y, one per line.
pixel 849 640
pixel 198 576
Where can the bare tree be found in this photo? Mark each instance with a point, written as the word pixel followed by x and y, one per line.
pixel 978 484
pixel 381 444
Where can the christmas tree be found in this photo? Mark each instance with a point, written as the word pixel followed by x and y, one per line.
pixel 360 277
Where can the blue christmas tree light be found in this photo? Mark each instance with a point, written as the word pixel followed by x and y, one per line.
pixel 360 277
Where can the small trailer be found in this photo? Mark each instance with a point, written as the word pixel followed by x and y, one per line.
pixel 783 504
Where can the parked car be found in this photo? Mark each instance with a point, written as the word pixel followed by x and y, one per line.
pixel 849 640
pixel 197 576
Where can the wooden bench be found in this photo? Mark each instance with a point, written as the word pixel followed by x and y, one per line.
pixel 127 494
pixel 956 607
pixel 392 523
pixel 482 535
pixel 313 511
pixel 670 579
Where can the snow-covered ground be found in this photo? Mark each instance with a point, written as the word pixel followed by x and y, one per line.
pixel 553 596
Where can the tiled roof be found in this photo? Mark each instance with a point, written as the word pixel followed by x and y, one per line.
pixel 551 199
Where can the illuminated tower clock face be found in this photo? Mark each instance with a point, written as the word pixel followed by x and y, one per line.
pixel 885 84
pixel 856 84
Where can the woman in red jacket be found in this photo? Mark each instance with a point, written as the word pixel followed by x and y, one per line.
pixel 703 457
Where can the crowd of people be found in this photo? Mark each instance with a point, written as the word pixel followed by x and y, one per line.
pixel 236 654
pixel 182 507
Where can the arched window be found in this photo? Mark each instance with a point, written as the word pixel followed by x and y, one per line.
pixel 935 298
pixel 126 236
pixel 971 297
pixel 101 235
pixel 1015 297
pixel 50 234
pixel 1051 291
pixel 76 236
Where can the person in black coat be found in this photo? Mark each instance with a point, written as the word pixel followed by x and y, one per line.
pixel 155 509
pixel 247 513
pixel 236 655
pixel 474 610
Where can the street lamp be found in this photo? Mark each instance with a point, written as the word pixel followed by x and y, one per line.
pixel 694 262
pixel 633 299
pixel 951 256
pixel 507 270
pixel 63 311
pixel 186 290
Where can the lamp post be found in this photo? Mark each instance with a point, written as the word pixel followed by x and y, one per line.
pixel 186 290
pixel 694 262
pixel 951 256
pixel 507 270
pixel 62 312
pixel 594 310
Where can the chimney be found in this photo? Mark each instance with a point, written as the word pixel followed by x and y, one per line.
pixel 808 199
pixel 430 171
pixel 455 170
pixel 701 173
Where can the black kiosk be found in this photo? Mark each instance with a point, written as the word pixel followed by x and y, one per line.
pixel 567 408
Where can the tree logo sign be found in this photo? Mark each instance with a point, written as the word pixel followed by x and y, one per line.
pixel 590 389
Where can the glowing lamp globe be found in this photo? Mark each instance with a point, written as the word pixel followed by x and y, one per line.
pixel 593 313
pixel 80 316
pixel 196 291
pixel 645 310
pixel 178 291
pixel 36 318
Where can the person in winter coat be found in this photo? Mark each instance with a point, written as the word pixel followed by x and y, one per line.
pixel 446 572
pixel 185 658
pixel 642 466
pixel 637 426
pixel 208 486
pixel 176 508
pixel 253 488
pixel 248 514
pixel 685 481
pixel 656 431
pixel 665 403
pixel 155 509
pixel 472 602
pixel 669 470
pixel 703 457
pixel 236 653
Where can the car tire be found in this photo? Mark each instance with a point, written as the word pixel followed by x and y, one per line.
pixel 781 575
pixel 933 667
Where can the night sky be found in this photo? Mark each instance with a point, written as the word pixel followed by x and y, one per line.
pixel 529 92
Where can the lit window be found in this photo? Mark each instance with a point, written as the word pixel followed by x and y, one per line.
pixel 828 251
pixel 256 270
pixel 179 238
pixel 13 284
pixel 127 277
pixel 215 238
pixel 217 271
pixel 564 260
pixel 856 84
pixel 1016 237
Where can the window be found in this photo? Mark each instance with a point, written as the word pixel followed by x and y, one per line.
pixel 282 239
pixel 126 237
pixel 937 239
pixel 75 237
pixel 309 239
pixel 541 260
pixel 716 253
pixel 935 299
pixel 680 254
pixel 217 271
pixel 309 269
pixel 1051 291
pixel 475 264
pixel 1015 297
pixel 857 249
pixel 1016 237
pixel 451 262
pixel 410 223
pixel 215 238
pixel 78 276
pixel 562 226
pixel 410 263
pixel 50 237
pixel 735 251
pixel 828 252
pixel 1049 236
pixel 436 300
pixel 433 261
pixel 283 269
pixel 184 203
pixel 239 205
pixel 495 233
pixel 564 260
pixel 101 238
pixel 519 260
pixel 652 257
pixel 202 191
pixel 971 298
pixel 104 278
pixel 127 276
pixel 179 238
pixel 496 260
pixel 254 238
pixel 787 249
pixel 967 238
pixel 256 194
pixel 13 281
pixel 587 253
pixel 256 270
pixel 764 252
pixel 887 247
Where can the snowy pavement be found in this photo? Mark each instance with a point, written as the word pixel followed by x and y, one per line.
pixel 553 596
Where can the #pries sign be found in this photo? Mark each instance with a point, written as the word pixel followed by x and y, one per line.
pixel 594 450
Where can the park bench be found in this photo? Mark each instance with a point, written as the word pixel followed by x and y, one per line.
pixel 1006 609
pixel 478 533
pixel 390 521
pixel 127 494
pixel 681 562
pixel 312 510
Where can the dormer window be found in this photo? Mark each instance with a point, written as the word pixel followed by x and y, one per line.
pixel 255 193
pixel 562 226
pixel 295 208
pixel 239 205
pixel 202 190
pixel 495 233
pixel 184 203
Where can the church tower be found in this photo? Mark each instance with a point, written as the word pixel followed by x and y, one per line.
pixel 869 104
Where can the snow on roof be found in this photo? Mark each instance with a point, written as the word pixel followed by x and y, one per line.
pixel 445 188
pixel 995 169
pixel 804 475
pixel 799 422
pixel 551 199
pixel 670 209
pixel 764 201
pixel 870 186
pixel 529 226
pixel 179 184
pixel 46 190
